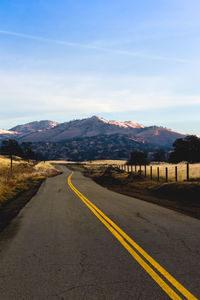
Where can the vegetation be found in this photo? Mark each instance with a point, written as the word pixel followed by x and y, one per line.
pixel 187 149
pixel 114 147
pixel 23 175
pixel 12 147
pixel 194 171
pixel 160 155
pixel 138 158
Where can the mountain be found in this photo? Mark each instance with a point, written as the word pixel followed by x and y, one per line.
pixel 49 131
pixel 83 128
pixel 8 134
pixel 113 146
pixel 36 126
pixel 95 126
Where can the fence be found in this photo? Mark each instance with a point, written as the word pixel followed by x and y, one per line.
pixel 166 172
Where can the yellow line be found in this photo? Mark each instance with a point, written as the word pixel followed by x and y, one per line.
pixel 121 235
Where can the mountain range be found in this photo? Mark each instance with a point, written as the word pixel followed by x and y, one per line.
pixel 49 131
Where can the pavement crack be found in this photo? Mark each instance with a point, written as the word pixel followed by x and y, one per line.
pixel 164 231
pixel 92 284
pixel 82 262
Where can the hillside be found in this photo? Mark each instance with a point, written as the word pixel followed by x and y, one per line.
pixel 34 126
pixel 91 148
pixel 95 126
pixel 8 134
pixel 49 131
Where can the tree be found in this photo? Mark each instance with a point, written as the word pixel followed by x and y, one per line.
pixel 138 158
pixel 27 151
pixel 159 155
pixel 11 147
pixel 186 149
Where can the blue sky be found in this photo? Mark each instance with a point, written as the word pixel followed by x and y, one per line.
pixel 123 60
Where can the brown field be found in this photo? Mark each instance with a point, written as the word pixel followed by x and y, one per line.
pixel 194 171
pixel 22 176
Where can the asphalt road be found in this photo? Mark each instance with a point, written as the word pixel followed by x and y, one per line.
pixel 58 248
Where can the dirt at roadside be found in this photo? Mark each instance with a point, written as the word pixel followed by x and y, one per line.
pixel 181 196
pixel 11 208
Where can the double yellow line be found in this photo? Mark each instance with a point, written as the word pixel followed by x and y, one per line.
pixel 127 242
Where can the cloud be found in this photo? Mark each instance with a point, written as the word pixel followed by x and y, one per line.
pixel 47 94
pixel 95 46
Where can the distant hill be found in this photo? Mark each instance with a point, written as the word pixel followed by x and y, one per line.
pixel 8 134
pixel 36 126
pixel 95 126
pixel 114 146
pixel 49 131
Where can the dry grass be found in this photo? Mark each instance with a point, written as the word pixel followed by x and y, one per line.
pixel 194 171
pixel 22 176
pixel 92 162
pixel 105 162
pixel 194 168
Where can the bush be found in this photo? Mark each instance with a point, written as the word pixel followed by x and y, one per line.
pixel 138 158
pixel 187 149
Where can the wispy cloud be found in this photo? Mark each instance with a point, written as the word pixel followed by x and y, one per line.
pixel 99 48
pixel 38 93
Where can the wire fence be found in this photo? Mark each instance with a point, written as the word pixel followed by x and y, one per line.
pixel 165 172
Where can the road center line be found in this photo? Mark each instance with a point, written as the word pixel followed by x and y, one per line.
pixel 123 238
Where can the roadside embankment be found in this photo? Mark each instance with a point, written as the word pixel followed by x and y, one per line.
pixel 181 196
pixel 18 186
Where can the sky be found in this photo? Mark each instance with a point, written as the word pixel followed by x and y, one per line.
pixel 120 60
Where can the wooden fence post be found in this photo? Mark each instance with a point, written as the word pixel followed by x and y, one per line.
pixel 188 172
pixel 131 168
pixel 151 173
pixel 135 168
pixel 158 174
pixel 145 171
pixel 166 174
pixel 176 173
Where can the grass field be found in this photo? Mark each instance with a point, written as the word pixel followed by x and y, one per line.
pixel 194 171
pixel 23 175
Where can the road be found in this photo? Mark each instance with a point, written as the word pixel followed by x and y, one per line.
pixel 62 246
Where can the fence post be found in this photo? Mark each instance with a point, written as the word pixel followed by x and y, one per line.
pixel 140 169
pixel 131 168
pixel 151 173
pixel 166 173
pixel 128 168
pixel 158 174
pixel 188 172
pixel 135 168
pixel 145 171
pixel 176 173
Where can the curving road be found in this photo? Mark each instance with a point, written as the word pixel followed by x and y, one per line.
pixel 78 240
